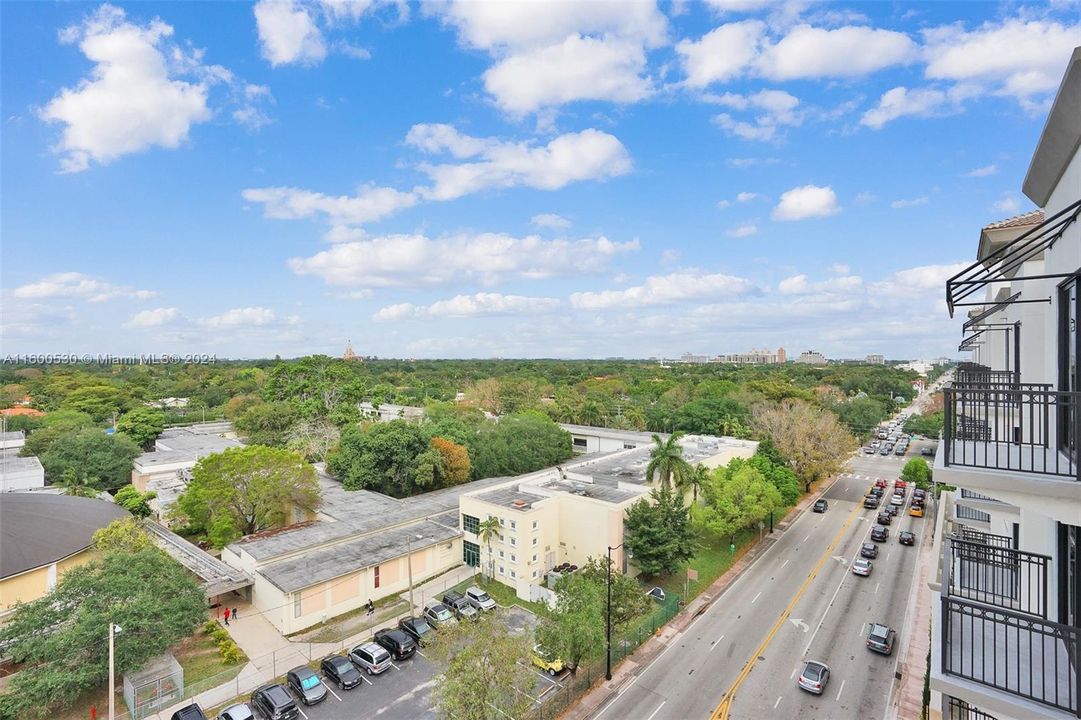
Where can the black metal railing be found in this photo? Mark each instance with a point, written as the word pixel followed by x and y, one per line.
pixel 1022 428
pixel 1013 652
pixel 969 495
pixel 1000 541
pixel 963 512
pixel 998 576
pixel 958 709
pixel 986 378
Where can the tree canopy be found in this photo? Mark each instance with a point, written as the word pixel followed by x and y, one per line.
pixel 61 639
pixel 738 497
pixel 810 437
pixel 100 460
pixel 658 532
pixel 143 424
pixel 245 490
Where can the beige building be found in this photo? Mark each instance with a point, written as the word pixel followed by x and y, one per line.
pixel 571 513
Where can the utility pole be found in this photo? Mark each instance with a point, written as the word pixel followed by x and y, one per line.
pixel 113 630
pixel 409 563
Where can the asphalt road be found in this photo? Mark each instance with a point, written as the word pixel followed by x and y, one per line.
pixel 799 574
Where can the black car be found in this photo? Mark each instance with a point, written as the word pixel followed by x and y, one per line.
pixel 876 491
pixel 892 510
pixel 927 451
pixel 397 643
pixel 869 551
pixel 879 533
pixel 870 501
pixel 906 538
pixel 306 685
pixel 417 628
pixel 191 712
pixel 343 673
pixel 884 518
pixel 821 505
pixel 274 702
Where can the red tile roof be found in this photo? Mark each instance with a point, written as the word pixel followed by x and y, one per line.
pixel 1034 217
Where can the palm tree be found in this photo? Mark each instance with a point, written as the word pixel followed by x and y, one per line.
pixel 76 486
pixel 486 531
pixel 695 479
pixel 666 460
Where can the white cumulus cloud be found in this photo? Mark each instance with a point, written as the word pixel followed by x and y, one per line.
pixel 476 305
pixel 78 285
pixel 982 171
pixel 666 290
pixel 288 33
pixel 851 51
pixel 808 201
pixel 912 202
pixel 744 230
pixel 370 203
pixel 153 318
pixel 240 318
pixel 550 220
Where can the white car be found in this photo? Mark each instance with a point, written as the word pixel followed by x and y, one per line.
pixel 897 500
pixel 862 567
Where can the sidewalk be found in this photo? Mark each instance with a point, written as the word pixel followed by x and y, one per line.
pixel 627 670
pixel 435 587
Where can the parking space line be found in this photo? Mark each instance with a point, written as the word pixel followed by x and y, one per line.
pixel 778 701
pixel 657 710
pixel 756 597
pixel 395 666
pixel 785 563
pixel 876 588
pixel 840 690
pixel 302 713
pixel 716 643
pixel 365 679
pixel 422 654
pixel 332 692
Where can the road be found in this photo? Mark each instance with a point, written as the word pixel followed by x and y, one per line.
pixel 799 593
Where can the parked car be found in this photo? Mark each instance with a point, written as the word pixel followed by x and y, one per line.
pixel 919 493
pixel 869 551
pixel 870 501
pixel 370 657
pixel 274 702
pixel 480 599
pixel 191 712
pixel 417 628
pixel 656 593
pixel 397 643
pixel 438 615
pixel 306 685
pixel 867 450
pixel 885 450
pixel 906 538
pixel 821 505
pixel 546 661
pixel 342 672
pixel 240 711
pixel 862 567
pixel 459 605
pixel 884 518
pixel 927 450
pixel 814 677
pixel 916 510
pixel 881 638
pixel 880 533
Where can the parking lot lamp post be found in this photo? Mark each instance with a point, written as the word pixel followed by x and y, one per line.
pixel 113 630
pixel 409 555
pixel 608 617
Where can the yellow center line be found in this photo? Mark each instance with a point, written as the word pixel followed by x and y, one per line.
pixel 722 710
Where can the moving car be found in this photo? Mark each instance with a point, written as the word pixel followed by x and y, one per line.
pixel 916 510
pixel 459 605
pixel 438 615
pixel 918 493
pixel 925 451
pixel 891 510
pixel 370 657
pixel 880 533
pixel 880 483
pixel 897 499
pixel 274 702
pixel 191 712
pixel 546 661
pixel 306 685
pixel 884 518
pixel 867 450
pixel 869 551
pixel 417 628
pixel 906 538
pixel 397 643
pixel 870 501
pixel 862 567
pixel 900 484
pixel 885 450
pixel 877 491
pixel 821 505
pixel 480 599
pixel 814 677
pixel 341 671
pixel 881 638
pixel 240 711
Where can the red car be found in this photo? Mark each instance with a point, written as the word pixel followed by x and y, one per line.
pixel 880 483
pixel 900 484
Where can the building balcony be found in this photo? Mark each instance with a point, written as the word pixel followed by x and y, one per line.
pixel 994 647
pixel 1011 438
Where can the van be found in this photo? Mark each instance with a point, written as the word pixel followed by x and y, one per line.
pixel 370 657
pixel 479 599
pixel 274 702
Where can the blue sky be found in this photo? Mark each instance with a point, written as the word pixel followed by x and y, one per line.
pixel 509 179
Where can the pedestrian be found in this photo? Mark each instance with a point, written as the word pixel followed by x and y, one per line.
pixel 371 607
pixel 234 614
pixel 226 616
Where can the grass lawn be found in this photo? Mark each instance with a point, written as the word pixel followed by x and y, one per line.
pixel 502 594
pixel 714 558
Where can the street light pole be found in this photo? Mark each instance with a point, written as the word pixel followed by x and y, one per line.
pixel 113 630
pixel 409 554
pixel 608 616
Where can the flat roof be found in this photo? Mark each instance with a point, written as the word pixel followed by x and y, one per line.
pixel 347 557
pixel 16 464
pixel 194 443
pixel 12 435
pixel 511 497
pixel 634 435
pixel 629 466
pixel 604 493
pixel 40 528
pixel 165 457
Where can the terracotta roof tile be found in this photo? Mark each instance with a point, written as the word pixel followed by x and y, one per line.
pixel 1034 217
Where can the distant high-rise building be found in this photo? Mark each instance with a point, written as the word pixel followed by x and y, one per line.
pixel 694 359
pixel 812 357
pixel 754 357
pixel 782 357
pixel 349 354
pixel 876 359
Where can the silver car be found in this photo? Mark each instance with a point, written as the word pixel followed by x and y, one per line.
pixel 237 712
pixel 862 567
pixel 480 599
pixel 370 657
pixel 814 677
pixel 438 615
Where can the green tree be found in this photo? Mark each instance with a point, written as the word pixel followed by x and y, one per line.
pixel 135 502
pixel 575 630
pixel 713 416
pixel 97 401
pixel 659 533
pixel 861 414
pixel 93 455
pixel 666 460
pixel 245 490
pixel 123 535
pixel 143 424
pixel 75 485
pixel 926 425
pixel 60 639
pixel 485 672
pixel 695 479
pixel 738 497
pixel 267 423
pixel 916 471
pixel 628 600
pixel 487 530
pixel 518 444
pixel 811 438
pixel 381 457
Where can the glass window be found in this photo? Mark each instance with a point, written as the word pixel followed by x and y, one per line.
pixel 513 525
pixel 512 558
pixel 470 553
pixel 512 575
pixel 376 575
pixel 534 542
pixel 501 554
pixel 501 570
pixel 296 605
pixel 534 557
pixel 534 524
pixel 513 542
pixel 470 524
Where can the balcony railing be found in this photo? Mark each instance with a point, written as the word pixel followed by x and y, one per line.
pixel 963 512
pixel 998 541
pixel 960 710
pixel 969 495
pixel 1022 428
pixel 985 378
pixel 998 576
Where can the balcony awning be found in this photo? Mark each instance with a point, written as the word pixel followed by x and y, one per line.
pixel 988 312
pixel 1001 264
pixel 971 340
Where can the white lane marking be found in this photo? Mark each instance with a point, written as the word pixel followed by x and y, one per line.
pixel 794 671
pixel 841 690
pixel 421 654
pixel 756 597
pixel 778 701
pixel 657 710
pixel 332 692
pixel 716 643
pixel 835 592
pixel 395 666
pixel 887 557
pixel 302 713
pixel 785 563
pixel 806 538
pixel 365 679
pixel 876 588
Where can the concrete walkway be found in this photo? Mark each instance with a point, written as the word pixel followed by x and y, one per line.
pixel 435 587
